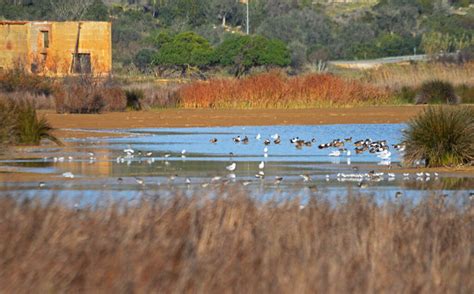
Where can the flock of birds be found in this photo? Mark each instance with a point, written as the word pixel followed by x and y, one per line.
pixel 337 148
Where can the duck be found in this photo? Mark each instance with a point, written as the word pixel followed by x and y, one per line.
pixel 359 143
pixel 213 140
pixel 278 180
pixel 294 140
pixel 140 181
pixel 363 184
pixel 306 178
pixel 398 195
pixel 323 146
pixel 267 142
pixel 129 150
pixel 68 175
pixel 246 183
pixel 348 139
pixel 237 139
pixel 335 153
pixel 245 140
pixel 337 143
pixel 277 141
pixel 384 154
pixel 399 147
pixel 215 179
pixel 231 167
pixel 299 144
pixel 260 176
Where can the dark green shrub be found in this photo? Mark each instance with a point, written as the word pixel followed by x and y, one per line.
pixel 184 50
pixel 441 136
pixel 21 125
pixel 437 91
pixel 144 59
pixel 242 53
pixel 134 97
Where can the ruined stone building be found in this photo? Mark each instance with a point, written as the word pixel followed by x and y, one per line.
pixel 56 48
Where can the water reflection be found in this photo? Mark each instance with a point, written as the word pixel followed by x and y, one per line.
pixel 158 163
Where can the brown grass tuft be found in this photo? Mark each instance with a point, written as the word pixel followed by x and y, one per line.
pixel 87 94
pixel 234 243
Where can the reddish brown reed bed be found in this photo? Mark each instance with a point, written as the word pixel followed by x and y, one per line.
pixel 272 90
pixel 235 244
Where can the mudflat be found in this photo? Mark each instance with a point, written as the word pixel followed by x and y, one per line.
pixel 231 117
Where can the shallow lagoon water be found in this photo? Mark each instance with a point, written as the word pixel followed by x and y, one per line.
pixel 97 176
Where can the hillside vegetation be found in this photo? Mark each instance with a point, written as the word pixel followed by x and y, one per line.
pixel 306 33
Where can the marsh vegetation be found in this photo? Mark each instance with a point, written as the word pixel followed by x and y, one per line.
pixel 21 125
pixel 441 136
pixel 235 243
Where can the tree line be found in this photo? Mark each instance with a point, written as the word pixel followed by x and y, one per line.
pixel 149 33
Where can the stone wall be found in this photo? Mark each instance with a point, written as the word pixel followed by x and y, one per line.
pixel 13 44
pixel 49 47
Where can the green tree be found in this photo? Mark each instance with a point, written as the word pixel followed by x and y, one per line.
pixel 184 50
pixel 144 59
pixel 244 52
pixel 97 11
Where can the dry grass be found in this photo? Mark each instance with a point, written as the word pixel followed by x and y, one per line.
pixel 88 94
pixel 233 243
pixel 157 95
pixel 397 76
pixel 273 90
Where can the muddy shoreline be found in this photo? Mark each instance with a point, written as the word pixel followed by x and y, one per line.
pixel 170 118
pixel 92 125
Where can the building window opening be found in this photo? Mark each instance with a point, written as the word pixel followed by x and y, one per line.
pixel 81 63
pixel 45 35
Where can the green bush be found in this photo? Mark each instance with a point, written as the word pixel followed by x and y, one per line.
pixel 441 136
pixel 21 125
pixel 437 91
pixel 244 52
pixel 183 50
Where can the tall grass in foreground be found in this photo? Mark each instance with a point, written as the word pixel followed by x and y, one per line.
pixel 272 90
pixel 441 136
pixel 235 244
pixel 21 125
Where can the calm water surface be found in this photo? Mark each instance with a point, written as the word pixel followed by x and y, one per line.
pixel 97 175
